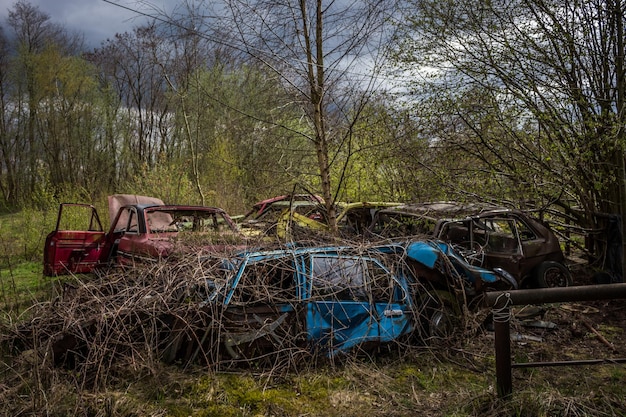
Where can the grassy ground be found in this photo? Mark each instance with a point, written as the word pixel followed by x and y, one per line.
pixel 421 383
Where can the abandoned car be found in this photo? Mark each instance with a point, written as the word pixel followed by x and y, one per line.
pixel 352 220
pixel 487 236
pixel 265 225
pixel 329 300
pixel 142 228
pixel 271 204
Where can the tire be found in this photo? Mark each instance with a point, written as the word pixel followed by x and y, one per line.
pixel 552 274
pixel 440 317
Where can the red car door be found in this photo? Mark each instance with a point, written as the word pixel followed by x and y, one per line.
pixel 76 245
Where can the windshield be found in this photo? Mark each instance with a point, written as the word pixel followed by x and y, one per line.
pixel 162 221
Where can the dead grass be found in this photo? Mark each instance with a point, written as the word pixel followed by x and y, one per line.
pixel 113 366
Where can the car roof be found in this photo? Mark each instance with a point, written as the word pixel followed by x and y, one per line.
pixel 447 209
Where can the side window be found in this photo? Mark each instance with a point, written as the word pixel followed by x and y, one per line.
pixel 127 221
pixel 381 281
pixel 338 279
pixel 133 226
pixel 502 237
pixel 525 232
pixel 266 282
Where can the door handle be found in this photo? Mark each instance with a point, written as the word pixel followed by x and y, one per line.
pixel 393 313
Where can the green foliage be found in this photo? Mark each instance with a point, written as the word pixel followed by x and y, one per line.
pixel 167 180
pixel 22 235
pixel 522 111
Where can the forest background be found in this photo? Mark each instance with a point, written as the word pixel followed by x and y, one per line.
pixel 517 102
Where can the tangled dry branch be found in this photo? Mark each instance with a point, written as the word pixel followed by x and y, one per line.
pixel 174 312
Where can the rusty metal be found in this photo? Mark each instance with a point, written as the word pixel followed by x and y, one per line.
pixel 503 358
pixel 560 294
pixel 569 363
pixel 501 301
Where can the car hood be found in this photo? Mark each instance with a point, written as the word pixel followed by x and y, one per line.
pixel 120 200
pixel 428 253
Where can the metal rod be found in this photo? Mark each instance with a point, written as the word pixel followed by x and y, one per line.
pixel 504 377
pixel 559 294
pixel 569 363
pixel 502 300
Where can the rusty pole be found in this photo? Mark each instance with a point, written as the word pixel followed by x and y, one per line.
pixel 501 323
pixel 560 294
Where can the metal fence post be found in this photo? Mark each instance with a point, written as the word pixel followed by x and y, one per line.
pixel 501 302
pixel 501 322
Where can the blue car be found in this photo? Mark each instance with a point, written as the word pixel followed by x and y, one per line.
pixel 329 300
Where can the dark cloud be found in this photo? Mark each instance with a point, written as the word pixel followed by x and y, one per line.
pixel 96 20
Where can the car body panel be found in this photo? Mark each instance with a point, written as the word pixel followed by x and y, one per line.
pixel 68 250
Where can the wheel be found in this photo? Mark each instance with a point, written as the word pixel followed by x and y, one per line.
pixel 440 316
pixel 552 274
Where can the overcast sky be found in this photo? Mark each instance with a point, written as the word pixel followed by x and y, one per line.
pixel 97 20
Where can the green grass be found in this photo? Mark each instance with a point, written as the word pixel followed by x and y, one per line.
pixel 22 285
pixel 22 236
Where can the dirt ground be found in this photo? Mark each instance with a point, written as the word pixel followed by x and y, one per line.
pixel 570 331
pixel 581 346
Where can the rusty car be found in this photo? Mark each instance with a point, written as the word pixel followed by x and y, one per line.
pixel 280 202
pixel 142 229
pixel 352 220
pixel 330 301
pixel 487 235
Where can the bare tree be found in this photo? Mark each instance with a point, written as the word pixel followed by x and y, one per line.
pixel 321 49
pixel 534 89
pixel 130 64
pixel 325 52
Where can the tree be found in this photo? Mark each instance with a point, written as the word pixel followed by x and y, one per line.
pixel 8 183
pixel 532 89
pixel 131 68
pixel 22 98
pixel 314 46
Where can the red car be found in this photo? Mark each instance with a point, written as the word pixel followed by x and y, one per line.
pixel 261 207
pixel 142 229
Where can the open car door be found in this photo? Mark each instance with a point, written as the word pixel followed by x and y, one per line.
pixel 77 243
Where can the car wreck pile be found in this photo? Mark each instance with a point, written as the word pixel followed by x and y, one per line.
pixel 246 302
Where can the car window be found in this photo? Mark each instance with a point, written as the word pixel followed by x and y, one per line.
pixel 501 235
pixel 525 232
pixel 266 282
pixel 381 282
pixel 127 221
pixel 133 225
pixel 78 217
pixel 338 279
pixel 160 222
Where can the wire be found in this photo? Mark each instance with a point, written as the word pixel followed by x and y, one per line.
pixel 502 314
